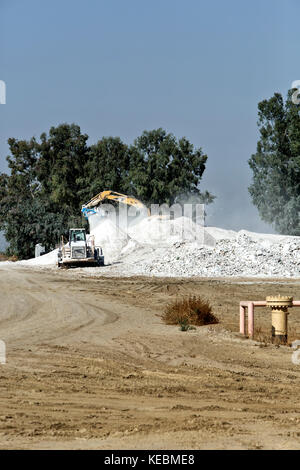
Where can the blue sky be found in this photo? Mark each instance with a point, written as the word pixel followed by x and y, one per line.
pixel 196 68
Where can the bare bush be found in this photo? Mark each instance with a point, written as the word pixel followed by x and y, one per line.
pixel 191 310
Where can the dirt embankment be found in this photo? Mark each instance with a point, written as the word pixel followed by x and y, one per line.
pixel 91 365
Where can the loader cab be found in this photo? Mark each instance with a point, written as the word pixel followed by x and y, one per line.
pixel 77 235
pixel 77 243
pixel 80 250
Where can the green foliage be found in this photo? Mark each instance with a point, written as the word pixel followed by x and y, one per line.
pixel 275 189
pixel 51 178
pixel 184 325
pixel 31 222
pixel 163 169
pixel 107 167
pixel 60 167
pixel 41 197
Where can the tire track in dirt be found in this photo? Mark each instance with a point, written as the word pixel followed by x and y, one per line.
pixel 91 365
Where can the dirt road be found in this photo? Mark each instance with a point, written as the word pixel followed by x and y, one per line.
pixel 90 365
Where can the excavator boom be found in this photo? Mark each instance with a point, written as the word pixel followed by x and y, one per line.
pixel 113 196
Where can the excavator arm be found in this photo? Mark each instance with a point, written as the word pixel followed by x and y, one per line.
pixel 113 196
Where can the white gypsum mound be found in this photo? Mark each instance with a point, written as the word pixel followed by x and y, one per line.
pixel 242 255
pixel 49 259
pixel 161 247
pixel 180 247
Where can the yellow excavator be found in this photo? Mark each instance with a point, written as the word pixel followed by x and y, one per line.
pixel 112 196
pixel 81 250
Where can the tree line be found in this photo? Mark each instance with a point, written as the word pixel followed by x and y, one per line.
pixel 275 188
pixel 50 178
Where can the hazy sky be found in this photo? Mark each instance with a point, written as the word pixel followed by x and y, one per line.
pixel 196 68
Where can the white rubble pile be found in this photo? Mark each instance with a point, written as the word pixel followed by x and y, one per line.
pixel 242 256
pixel 182 248
pixel 179 247
pixel 49 259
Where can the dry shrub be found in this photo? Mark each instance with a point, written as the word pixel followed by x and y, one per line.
pixel 4 257
pixel 191 310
